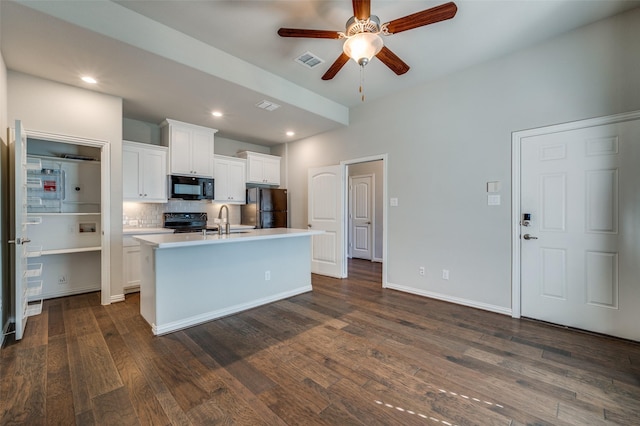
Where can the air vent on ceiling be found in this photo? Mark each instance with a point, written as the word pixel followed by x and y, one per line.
pixel 269 106
pixel 309 60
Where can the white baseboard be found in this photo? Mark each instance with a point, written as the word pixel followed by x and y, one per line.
pixel 67 292
pixel 377 259
pixel 132 289
pixel 451 299
pixel 117 298
pixel 208 316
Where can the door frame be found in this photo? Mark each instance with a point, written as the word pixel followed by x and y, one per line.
pixel 105 203
pixel 516 157
pixel 385 215
pixel 372 207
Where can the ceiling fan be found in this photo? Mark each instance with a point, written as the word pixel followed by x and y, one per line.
pixel 362 35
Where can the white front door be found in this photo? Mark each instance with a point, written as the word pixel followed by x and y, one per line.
pixel 361 216
pixel 325 212
pixel 581 250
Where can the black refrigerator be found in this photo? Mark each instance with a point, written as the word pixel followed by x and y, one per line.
pixel 265 208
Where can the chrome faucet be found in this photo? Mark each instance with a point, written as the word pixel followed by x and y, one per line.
pixel 227 225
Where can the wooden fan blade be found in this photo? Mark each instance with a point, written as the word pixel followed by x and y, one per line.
pixel 337 66
pixel 392 60
pixel 294 32
pixel 362 9
pixel 426 17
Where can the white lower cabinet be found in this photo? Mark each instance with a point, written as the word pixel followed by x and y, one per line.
pixel 131 257
pixel 230 179
pixel 130 265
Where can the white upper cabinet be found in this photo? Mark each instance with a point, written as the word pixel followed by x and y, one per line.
pixel 144 172
pixel 190 148
pixel 262 168
pixel 230 179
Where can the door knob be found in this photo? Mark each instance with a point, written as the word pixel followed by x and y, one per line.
pixel 529 237
pixel 368 223
pixel 309 226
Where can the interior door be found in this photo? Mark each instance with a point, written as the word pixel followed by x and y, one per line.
pixel 361 216
pixel 580 250
pixel 20 236
pixel 325 212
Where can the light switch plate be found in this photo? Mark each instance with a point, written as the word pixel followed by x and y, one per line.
pixel 393 202
pixel 493 186
pixel 493 200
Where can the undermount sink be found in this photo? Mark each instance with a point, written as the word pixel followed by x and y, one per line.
pixel 233 231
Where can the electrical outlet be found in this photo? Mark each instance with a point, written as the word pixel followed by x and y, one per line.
pixel 421 270
pixel 267 275
pixel 63 279
pixel 445 274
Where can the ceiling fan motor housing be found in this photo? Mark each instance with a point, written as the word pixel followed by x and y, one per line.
pixel 356 26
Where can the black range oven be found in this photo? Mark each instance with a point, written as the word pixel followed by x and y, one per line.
pixel 185 222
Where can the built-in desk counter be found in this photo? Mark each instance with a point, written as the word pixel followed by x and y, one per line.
pixel 192 278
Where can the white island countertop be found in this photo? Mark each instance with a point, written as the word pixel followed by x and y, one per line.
pixel 162 241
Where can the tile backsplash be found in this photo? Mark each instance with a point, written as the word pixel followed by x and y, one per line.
pixel 148 215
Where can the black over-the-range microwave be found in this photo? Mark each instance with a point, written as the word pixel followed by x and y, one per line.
pixel 191 188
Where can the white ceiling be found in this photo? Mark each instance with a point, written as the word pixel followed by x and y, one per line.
pixel 181 59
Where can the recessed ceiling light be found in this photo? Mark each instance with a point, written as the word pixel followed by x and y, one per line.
pixel 291 133
pixel 89 80
pixel 216 114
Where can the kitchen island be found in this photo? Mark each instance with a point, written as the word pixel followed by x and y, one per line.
pixel 188 279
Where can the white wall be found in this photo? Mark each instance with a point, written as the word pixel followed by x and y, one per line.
pixel 445 140
pixel 231 147
pixel 141 131
pixel 51 107
pixel 144 132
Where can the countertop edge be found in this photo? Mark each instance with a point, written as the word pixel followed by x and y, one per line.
pixel 192 240
pixel 145 231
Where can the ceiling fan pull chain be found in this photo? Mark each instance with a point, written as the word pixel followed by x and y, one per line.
pixel 362 81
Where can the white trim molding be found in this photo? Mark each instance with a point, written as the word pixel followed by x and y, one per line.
pixel 385 213
pixel 516 153
pixel 116 298
pixel 105 200
pixel 209 316
pixel 451 299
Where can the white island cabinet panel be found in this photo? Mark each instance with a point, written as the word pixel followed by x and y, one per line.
pixel 190 279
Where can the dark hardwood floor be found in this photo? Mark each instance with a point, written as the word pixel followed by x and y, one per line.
pixel 348 353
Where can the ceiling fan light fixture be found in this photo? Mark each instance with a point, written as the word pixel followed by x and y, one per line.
pixel 362 47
